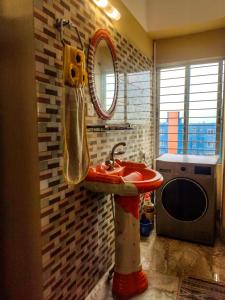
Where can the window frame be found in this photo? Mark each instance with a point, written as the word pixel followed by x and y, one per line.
pixel 220 100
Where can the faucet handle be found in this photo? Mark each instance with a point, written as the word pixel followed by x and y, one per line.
pixel 109 164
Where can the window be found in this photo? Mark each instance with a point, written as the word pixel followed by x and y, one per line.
pixel 211 131
pixel 189 108
pixel 163 143
pixel 134 94
pixel 210 145
pixel 109 85
pixel 138 94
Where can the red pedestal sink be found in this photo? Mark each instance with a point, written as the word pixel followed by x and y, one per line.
pixel 127 180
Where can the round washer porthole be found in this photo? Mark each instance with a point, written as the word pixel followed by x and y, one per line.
pixel 184 199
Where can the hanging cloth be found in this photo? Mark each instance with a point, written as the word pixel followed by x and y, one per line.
pixel 76 154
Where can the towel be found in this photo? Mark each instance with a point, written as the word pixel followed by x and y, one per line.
pixel 76 154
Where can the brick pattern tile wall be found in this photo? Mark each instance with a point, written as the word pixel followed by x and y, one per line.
pixel 76 225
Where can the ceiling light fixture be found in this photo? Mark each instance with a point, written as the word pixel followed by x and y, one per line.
pixel 101 3
pixel 110 10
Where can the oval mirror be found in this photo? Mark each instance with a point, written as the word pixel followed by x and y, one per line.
pixel 103 74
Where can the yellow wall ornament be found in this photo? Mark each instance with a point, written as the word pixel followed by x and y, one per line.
pixel 75 74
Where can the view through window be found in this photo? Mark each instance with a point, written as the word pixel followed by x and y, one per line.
pixel 134 98
pixel 189 108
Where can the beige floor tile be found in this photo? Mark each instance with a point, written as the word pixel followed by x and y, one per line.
pixel 165 261
pixel 154 294
pixel 218 268
pixel 162 282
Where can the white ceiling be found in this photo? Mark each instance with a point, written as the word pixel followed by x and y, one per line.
pixel 168 18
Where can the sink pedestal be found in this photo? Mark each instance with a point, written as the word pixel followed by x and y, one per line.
pixel 128 279
pixel 128 179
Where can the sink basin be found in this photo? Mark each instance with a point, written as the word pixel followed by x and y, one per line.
pixel 126 179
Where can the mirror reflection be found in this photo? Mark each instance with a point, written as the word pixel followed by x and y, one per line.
pixel 104 75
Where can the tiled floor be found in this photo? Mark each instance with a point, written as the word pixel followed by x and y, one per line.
pixel 165 262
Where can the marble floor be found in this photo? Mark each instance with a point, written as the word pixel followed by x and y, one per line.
pixel 165 262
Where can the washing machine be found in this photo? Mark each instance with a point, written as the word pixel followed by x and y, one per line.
pixel 186 202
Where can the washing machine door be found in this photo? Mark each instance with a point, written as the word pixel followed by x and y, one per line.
pixel 184 199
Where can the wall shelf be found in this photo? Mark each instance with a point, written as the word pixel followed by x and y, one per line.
pixel 109 127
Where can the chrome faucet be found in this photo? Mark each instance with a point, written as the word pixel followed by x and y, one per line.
pixel 111 161
pixel 113 153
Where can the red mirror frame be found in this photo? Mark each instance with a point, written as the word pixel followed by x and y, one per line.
pixel 99 35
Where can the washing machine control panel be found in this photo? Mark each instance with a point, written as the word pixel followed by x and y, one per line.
pixel 185 169
pixel 203 170
pixel 194 169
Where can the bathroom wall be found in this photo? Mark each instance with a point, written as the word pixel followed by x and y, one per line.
pixel 199 46
pixel 130 28
pixel 208 44
pixel 77 228
pixel 176 18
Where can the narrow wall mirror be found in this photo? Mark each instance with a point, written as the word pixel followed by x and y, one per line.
pixel 103 74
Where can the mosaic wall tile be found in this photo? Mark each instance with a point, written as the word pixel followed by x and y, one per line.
pixel 77 227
